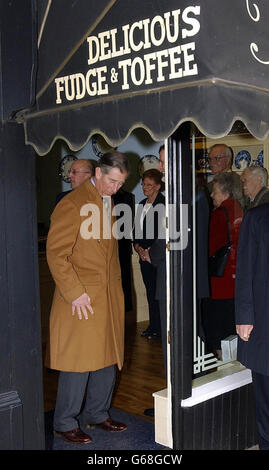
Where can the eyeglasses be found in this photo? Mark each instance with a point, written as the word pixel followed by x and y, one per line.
pixel 144 185
pixel 74 172
pixel 215 159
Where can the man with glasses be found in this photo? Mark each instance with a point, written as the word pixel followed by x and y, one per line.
pixel 80 170
pixel 220 160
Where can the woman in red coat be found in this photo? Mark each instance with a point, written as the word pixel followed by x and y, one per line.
pixel 218 311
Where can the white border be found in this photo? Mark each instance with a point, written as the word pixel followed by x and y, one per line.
pixel 218 387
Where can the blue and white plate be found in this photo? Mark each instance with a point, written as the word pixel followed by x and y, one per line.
pixel 260 158
pixel 148 162
pixel 65 165
pixel 242 159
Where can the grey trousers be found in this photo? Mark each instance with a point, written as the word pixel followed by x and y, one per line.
pixel 98 385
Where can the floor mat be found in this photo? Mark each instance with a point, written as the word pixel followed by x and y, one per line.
pixel 138 436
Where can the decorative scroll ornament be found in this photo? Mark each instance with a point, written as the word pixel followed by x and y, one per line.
pixel 254 49
pixel 257 18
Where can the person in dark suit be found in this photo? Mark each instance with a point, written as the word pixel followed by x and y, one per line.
pixel 252 310
pixel 125 249
pixel 157 256
pixel 80 170
pixel 149 218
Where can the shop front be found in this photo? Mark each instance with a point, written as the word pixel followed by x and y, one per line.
pixel 184 74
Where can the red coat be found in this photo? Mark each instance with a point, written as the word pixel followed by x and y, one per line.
pixel 223 287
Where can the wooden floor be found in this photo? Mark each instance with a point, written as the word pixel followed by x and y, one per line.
pixel 142 373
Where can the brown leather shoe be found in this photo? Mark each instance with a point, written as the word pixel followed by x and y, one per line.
pixel 109 425
pixel 75 435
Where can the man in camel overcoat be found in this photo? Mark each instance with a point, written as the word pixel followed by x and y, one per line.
pixel 87 314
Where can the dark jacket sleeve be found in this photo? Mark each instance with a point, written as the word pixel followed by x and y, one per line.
pixel 245 271
pixel 157 252
pixel 157 255
pixel 202 228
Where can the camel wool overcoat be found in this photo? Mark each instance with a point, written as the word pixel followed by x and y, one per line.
pixel 81 264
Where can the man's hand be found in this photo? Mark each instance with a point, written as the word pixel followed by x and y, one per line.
pixel 81 306
pixel 244 331
pixel 143 253
pixel 139 250
pixel 146 255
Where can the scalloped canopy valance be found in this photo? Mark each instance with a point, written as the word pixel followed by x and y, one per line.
pixel 110 66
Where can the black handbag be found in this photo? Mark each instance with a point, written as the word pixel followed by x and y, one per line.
pixel 217 262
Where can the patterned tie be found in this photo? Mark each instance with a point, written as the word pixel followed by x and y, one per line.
pixel 107 224
pixel 107 204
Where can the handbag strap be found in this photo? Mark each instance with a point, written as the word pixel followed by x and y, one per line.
pixel 228 224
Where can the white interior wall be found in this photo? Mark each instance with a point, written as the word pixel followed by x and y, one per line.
pixel 136 146
pixel 49 184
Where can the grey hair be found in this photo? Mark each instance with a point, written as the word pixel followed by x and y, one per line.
pixel 227 150
pixel 261 172
pixel 88 164
pixel 113 159
pixel 226 183
pixel 231 184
